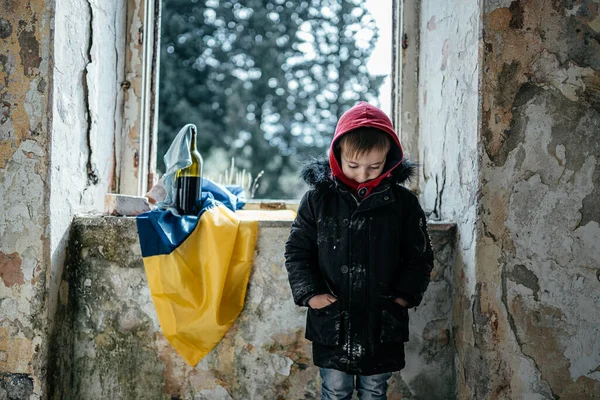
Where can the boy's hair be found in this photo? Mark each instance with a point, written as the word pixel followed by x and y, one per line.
pixel 363 140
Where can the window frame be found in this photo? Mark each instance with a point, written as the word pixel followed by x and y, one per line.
pixel 136 159
pixel 405 74
pixel 135 166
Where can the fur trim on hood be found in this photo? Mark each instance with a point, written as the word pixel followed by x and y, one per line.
pixel 317 172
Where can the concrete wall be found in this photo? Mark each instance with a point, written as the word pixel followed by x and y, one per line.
pixel 89 48
pixel 25 101
pixel 59 89
pixel 509 125
pixel 449 109
pixel 537 305
pixel 110 345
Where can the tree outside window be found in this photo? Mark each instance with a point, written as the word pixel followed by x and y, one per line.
pixel 263 80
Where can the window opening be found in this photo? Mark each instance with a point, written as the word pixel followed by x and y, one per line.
pixel 265 81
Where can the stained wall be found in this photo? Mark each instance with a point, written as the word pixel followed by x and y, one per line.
pixel 509 124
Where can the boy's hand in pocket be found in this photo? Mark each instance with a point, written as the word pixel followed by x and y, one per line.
pixel 320 301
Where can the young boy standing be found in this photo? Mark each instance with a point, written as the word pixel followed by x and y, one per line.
pixel 359 256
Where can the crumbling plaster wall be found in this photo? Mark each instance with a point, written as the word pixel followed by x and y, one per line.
pixel 25 85
pixel 87 109
pixel 109 344
pixel 449 108
pixel 510 151
pixel 59 89
pixel 536 312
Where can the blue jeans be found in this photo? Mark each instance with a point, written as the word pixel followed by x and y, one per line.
pixel 338 385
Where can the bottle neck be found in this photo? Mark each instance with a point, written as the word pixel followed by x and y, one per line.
pixel 193 142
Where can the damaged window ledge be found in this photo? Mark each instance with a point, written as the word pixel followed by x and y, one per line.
pixel 269 213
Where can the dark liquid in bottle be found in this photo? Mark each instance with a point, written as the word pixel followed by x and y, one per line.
pixel 188 191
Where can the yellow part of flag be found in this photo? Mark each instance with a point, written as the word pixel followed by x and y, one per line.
pixel 199 288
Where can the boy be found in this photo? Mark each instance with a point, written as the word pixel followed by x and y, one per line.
pixel 359 256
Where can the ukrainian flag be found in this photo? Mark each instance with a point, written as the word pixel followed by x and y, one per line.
pixel 198 268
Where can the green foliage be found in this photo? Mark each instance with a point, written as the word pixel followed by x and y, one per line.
pixel 263 80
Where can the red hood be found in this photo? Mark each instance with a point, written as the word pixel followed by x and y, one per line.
pixel 365 115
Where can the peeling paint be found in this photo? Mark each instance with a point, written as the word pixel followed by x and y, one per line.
pixel 540 124
pixel 525 197
pixel 15 386
pixel 109 326
pixel 449 89
pixel 129 147
pixel 29 50
pixel 523 276
pixel 5 28
pixel 41 182
pixel 24 64
pixel 10 269
pixel 431 24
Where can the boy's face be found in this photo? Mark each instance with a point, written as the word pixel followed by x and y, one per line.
pixel 365 166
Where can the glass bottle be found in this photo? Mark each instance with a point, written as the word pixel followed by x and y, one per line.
pixel 189 181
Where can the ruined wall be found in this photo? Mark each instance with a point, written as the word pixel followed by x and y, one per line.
pixel 536 312
pixel 110 345
pixel 59 89
pixel 449 109
pixel 89 47
pixel 25 85
pixel 509 97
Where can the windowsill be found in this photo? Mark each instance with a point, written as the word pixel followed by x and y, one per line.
pixel 265 218
pixel 268 212
pixel 272 204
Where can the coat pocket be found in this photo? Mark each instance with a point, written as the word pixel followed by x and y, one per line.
pixel 394 322
pixel 323 325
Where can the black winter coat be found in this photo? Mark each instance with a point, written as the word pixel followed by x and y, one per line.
pixel 365 254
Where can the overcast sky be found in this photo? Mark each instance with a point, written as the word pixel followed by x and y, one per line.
pixel 380 62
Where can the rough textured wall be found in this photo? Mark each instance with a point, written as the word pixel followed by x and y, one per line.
pixel 59 89
pixel 449 109
pixel 110 346
pixel 430 353
pixel 25 82
pixel 89 46
pixel 536 312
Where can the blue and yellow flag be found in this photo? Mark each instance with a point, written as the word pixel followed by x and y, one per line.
pixel 197 269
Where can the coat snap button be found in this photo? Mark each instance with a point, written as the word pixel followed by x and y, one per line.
pixel 344 269
pixel 362 191
pixel 386 198
pixel 345 221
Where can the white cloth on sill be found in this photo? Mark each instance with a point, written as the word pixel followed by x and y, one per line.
pixel 177 157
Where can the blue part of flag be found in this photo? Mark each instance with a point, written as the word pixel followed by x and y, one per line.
pixel 160 231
